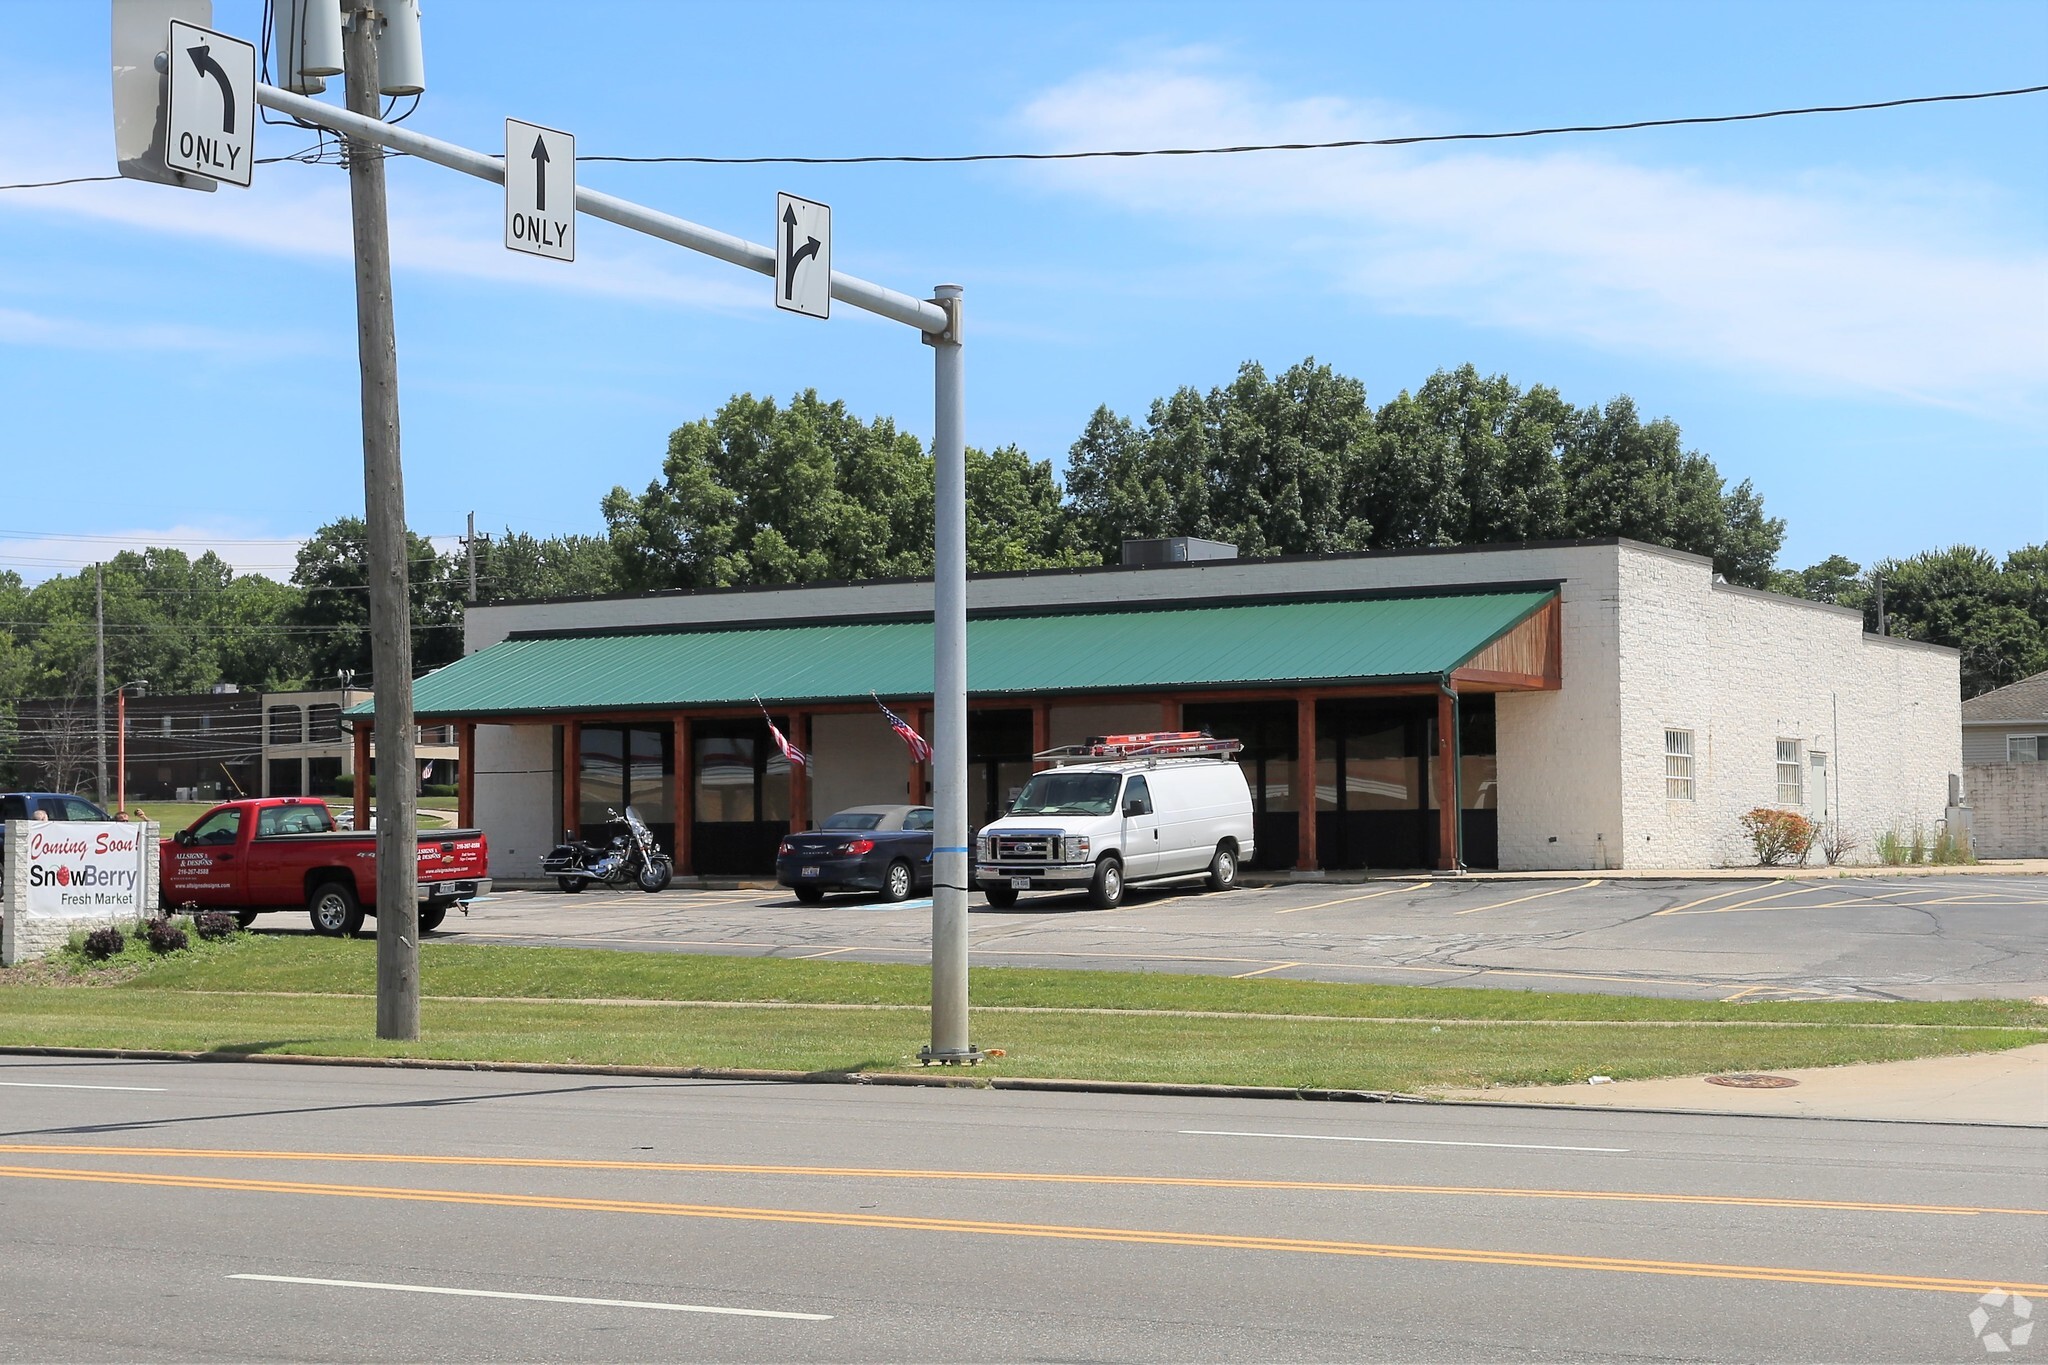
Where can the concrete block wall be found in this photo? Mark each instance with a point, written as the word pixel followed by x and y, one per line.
pixel 2008 808
pixel 1668 681
pixel 1887 713
pixel 856 760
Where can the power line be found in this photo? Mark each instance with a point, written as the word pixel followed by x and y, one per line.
pixel 1694 121
pixel 320 155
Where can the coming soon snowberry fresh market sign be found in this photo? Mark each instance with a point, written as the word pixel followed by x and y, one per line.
pixel 76 870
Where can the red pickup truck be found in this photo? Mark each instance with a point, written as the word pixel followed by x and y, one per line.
pixel 286 853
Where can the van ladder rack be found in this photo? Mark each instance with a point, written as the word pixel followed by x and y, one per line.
pixel 1162 744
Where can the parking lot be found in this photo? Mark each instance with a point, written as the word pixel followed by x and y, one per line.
pixel 1916 938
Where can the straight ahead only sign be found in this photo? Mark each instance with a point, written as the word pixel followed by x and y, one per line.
pixel 540 190
pixel 210 124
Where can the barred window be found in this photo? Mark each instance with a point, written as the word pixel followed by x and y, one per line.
pixel 1791 784
pixel 1678 765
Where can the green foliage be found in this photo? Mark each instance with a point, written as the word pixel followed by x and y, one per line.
pixel 1779 836
pixel 518 567
pixel 333 611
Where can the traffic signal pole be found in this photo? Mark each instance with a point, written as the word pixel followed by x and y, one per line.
pixel 937 319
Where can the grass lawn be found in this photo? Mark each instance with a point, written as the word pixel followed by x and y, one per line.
pixel 314 996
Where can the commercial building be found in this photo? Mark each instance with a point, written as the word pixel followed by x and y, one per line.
pixel 1574 705
pixel 307 751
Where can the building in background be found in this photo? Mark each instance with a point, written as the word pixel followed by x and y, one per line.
pixel 1573 705
pixel 2005 769
pixel 308 750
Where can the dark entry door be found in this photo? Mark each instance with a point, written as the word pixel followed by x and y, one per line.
pixel 740 786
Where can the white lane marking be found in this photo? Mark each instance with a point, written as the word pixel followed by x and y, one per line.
pixel 540 1298
pixel 57 1085
pixel 1406 1142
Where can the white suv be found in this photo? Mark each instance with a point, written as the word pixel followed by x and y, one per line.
pixel 1133 820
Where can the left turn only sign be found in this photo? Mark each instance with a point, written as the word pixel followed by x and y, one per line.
pixel 210 127
pixel 540 190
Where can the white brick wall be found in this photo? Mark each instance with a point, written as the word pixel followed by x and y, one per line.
pixel 2009 808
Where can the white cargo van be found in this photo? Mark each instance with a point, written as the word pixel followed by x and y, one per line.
pixel 1121 809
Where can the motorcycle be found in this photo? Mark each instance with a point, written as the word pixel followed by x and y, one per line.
pixel 630 857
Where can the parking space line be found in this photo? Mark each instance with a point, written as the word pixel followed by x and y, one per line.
pixel 1347 900
pixel 1276 967
pixel 1501 905
pixel 54 1085
pixel 829 952
pixel 537 1298
pixel 1736 890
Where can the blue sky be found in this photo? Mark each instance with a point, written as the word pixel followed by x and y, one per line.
pixel 1850 310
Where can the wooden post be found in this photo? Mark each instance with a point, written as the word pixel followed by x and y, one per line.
pixel 465 774
pixel 686 815
pixel 1448 853
pixel 362 776
pixel 572 778
pixel 1305 780
pixel 1041 730
pixel 799 774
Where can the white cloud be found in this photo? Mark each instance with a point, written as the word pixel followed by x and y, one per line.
pixel 39 556
pixel 21 328
pixel 1830 282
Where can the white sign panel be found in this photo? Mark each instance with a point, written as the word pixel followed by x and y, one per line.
pixel 85 870
pixel 210 126
pixel 540 190
pixel 803 256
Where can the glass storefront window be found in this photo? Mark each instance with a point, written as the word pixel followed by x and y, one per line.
pixel 725 779
pixel 650 774
pixel 600 774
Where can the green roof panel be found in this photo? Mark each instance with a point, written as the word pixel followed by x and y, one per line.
pixel 1236 644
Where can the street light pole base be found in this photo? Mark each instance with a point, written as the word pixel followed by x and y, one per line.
pixel 971 1057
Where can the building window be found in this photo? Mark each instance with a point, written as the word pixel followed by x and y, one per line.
pixel 2026 748
pixel 287 725
pixel 324 720
pixel 1791 784
pixel 1678 765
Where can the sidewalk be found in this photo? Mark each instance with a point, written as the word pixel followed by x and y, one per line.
pixel 1985 1087
pixel 2004 867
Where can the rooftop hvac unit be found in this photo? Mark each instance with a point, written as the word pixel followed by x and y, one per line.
pixel 1176 550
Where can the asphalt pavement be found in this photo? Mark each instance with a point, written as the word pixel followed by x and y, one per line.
pixel 168 1211
pixel 1916 938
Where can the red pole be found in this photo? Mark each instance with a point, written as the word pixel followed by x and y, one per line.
pixel 121 752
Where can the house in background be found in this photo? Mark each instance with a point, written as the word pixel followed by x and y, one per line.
pixel 2005 769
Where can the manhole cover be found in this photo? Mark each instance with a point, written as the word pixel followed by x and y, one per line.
pixel 1752 1080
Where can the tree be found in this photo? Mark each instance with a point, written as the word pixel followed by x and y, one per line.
pixel 334 611
pixel 1836 579
pixel 1014 516
pixel 1964 598
pixel 519 567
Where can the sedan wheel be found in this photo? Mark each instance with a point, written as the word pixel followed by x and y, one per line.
pixel 897 883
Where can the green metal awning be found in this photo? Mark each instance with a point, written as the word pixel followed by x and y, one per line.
pixel 1237 644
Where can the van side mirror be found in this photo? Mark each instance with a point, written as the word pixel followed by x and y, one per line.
pixel 183 838
pixel 1134 808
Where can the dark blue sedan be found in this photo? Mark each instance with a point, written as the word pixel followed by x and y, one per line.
pixel 864 848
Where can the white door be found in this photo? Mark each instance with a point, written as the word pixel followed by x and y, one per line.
pixel 1141 830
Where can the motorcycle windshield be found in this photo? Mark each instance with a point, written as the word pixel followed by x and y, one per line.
pixel 634 822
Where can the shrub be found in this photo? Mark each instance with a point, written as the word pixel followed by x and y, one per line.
pixel 438 789
pixel 1897 849
pixel 164 935
pixel 1949 849
pixel 215 925
pixel 1779 836
pixel 102 944
pixel 345 785
pixel 1837 843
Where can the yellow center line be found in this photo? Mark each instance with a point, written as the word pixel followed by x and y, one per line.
pixel 1855 1279
pixel 1348 900
pixel 1276 967
pixel 1498 905
pixel 1010 1177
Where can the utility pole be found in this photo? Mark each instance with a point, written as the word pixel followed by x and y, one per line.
pixel 469 544
pixel 398 928
pixel 1879 580
pixel 99 688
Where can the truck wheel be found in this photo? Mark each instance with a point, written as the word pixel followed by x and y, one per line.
pixel 1223 868
pixel 1000 897
pixel 334 910
pixel 1106 892
pixel 245 918
pixel 431 917
pixel 897 881
pixel 809 895
pixel 570 885
pixel 656 874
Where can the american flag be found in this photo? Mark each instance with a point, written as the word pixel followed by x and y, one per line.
pixel 789 751
pixel 920 749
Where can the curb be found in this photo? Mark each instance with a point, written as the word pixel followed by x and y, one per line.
pixel 943 1081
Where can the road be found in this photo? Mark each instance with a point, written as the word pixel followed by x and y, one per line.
pixel 169 1211
pixel 1919 938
